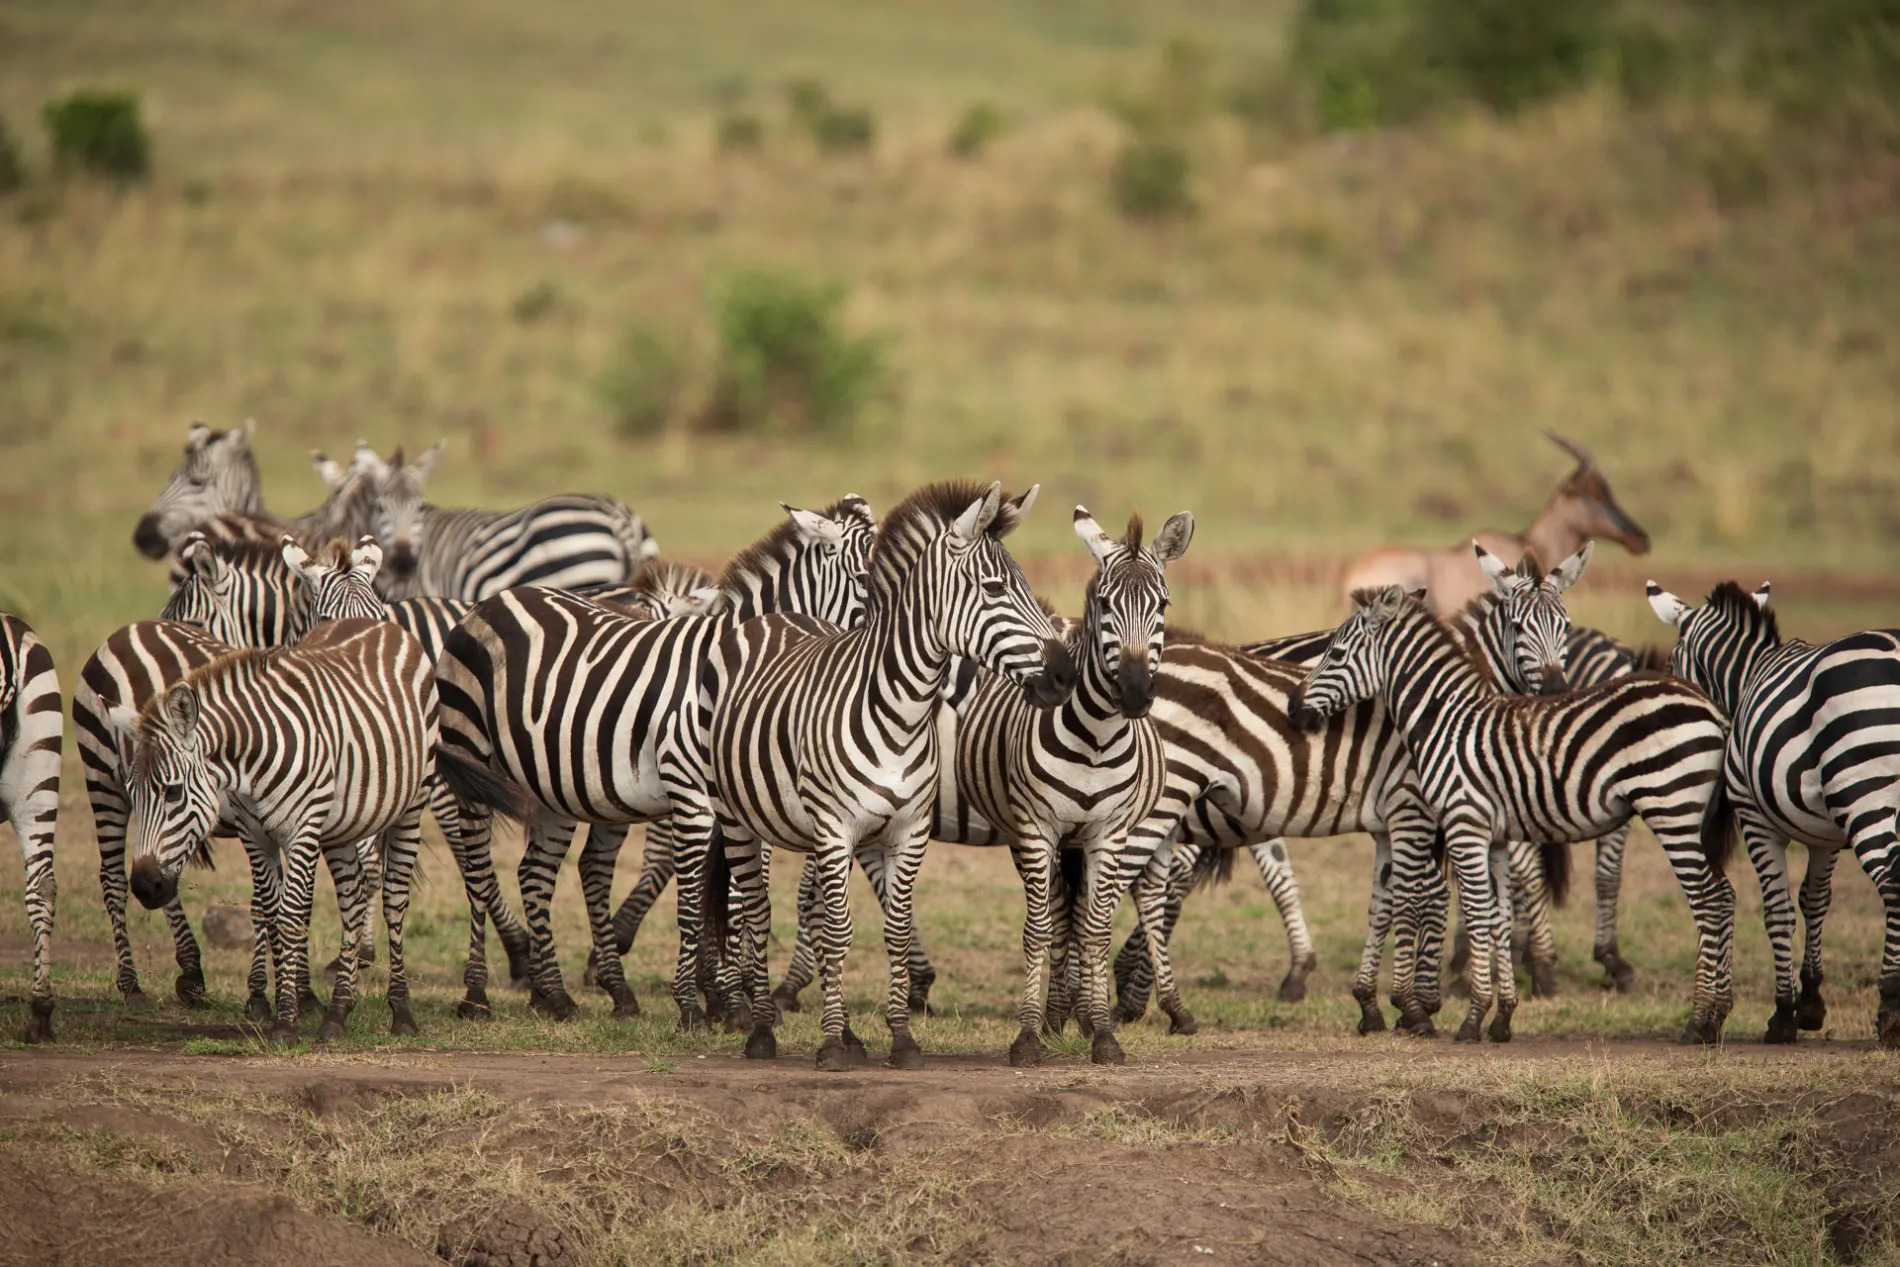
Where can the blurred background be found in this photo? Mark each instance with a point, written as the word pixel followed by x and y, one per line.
pixel 1320 271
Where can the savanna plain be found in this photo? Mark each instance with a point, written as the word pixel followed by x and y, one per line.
pixel 415 220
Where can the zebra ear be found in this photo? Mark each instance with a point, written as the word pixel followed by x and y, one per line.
pixel 196 436
pixel 197 555
pixel 812 527
pixel 1010 514
pixel 367 558
pixel 1668 608
pixel 977 517
pixel 124 724
pixel 704 600
pixel 1172 541
pixel 296 558
pixel 1386 604
pixel 241 436
pixel 424 466
pixel 1570 571
pixel 181 711
pixel 328 471
pixel 1504 581
pixel 1761 596
pixel 365 462
pixel 1092 535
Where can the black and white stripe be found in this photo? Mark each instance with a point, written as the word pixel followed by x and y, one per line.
pixel 824 741
pixel 32 722
pixel 1814 755
pixel 1553 768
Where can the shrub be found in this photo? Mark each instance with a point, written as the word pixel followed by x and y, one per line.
pixel 740 130
pixel 1151 178
pixel 543 299
pixel 1508 53
pixel 980 124
pixel 837 129
pixel 785 360
pixel 12 170
pixel 641 383
pixel 101 133
pixel 1178 94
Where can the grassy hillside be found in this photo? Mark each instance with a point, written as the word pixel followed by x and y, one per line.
pixel 411 220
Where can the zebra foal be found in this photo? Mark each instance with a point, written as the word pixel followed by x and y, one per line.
pixel 1552 768
pixel 1814 755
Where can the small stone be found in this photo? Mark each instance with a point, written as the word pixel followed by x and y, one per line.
pixel 229 928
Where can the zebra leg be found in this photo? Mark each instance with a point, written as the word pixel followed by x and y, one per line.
pixel 1506 979
pixel 833 858
pixel 1035 859
pixel 293 933
pixel 1870 830
pixel 1768 854
pixel 1100 895
pixel 1155 915
pixel 902 860
pixel 1365 986
pixel 267 894
pixel 1417 897
pixel 1167 873
pixel 922 974
pixel 548 841
pixel 1467 841
pixel 1063 966
pixel 353 900
pixel 469 831
pixel 804 965
pixel 400 844
pixel 598 857
pixel 748 868
pixel 1817 893
pixel 693 838
pixel 1677 826
pixel 656 872
pixel 29 787
pixel 109 813
pixel 1609 884
pixel 1530 925
pixel 190 986
pixel 1276 872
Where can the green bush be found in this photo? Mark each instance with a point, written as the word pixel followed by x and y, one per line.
pixel 541 300
pixel 785 360
pixel 837 129
pixel 12 170
pixel 1151 178
pixel 642 381
pixel 980 124
pixel 99 132
pixel 1509 54
pixel 740 130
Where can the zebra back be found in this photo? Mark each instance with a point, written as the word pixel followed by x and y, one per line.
pixel 430 619
pixel 240 592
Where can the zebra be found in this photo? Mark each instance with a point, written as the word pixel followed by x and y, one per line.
pixel 564 541
pixel 823 742
pixel 32 725
pixel 1812 756
pixel 594 712
pixel 662 588
pixel 242 592
pixel 1518 628
pixel 326 743
pixel 1552 768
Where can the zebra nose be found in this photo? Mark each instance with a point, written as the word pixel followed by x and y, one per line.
pixel 147 538
pixel 1056 682
pixel 401 560
pixel 1137 686
pixel 1554 682
pixel 150 886
pixel 1297 712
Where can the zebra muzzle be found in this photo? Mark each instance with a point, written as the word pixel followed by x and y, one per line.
pixel 151 886
pixel 1057 680
pixel 1554 682
pixel 1297 712
pixel 1136 683
pixel 148 539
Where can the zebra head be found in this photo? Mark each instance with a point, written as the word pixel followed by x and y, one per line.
pixel 239 592
pixel 174 794
pixel 1353 667
pixel 830 574
pixel 942 564
pixel 217 477
pixel 1126 604
pixel 397 517
pixel 350 509
pixel 1525 627
pixel 1717 643
pixel 340 582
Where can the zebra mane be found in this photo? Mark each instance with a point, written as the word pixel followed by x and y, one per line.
pixel 1467 647
pixel 1132 537
pixel 250 553
pixel 777 545
pixel 921 518
pixel 1649 658
pixel 1732 601
pixel 667 576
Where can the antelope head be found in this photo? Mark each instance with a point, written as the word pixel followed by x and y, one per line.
pixel 1586 505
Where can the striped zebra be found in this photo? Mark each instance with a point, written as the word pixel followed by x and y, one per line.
pixel 594 712
pixel 662 588
pixel 823 740
pixel 1518 630
pixel 1550 768
pixel 326 744
pixel 32 722
pixel 1814 756
pixel 570 540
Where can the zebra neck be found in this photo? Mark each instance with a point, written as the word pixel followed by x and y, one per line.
pixel 1751 665
pixel 767 588
pixel 907 661
pixel 1094 709
pixel 1478 630
pixel 1428 678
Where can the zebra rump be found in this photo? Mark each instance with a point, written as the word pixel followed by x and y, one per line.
pixel 476 787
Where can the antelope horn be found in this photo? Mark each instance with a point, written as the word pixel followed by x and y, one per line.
pixel 1583 455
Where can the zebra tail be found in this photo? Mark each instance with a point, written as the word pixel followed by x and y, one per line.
pixel 716 897
pixel 1718 827
pixel 1556 860
pixel 476 786
pixel 1214 866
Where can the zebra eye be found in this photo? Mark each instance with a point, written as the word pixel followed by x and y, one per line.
pixel 1164 604
pixel 175 793
pixel 994 588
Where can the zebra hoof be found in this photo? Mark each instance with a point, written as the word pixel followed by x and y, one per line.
pixel 190 987
pixel 1500 1030
pixel 905 1053
pixel 1472 1031
pixel 257 1009
pixel 475 1007
pixel 308 1004
pixel 1889 1031
pixel 1180 1020
pixel 1026 1051
pixel 1701 1032
pixel 854 1049
pixel 738 1018
pixel 1459 988
pixel 1371 1019
pixel 787 1000
pixel 1293 987
pixel 1125 1014
pixel 588 976
pixel 626 1007
pixel 762 1045
pixel 1052 1025
pixel 715 1007
pixel 1419 1026
pixel 554 1004
pixel 402 1023
pixel 1084 1025
pixel 919 1006
pixel 331 1030
pixel 693 1021
pixel 1811 1012
pixel 1543 981
pixel 330 969
pixel 1106 1051
pixel 520 974
pixel 833 1056
pixel 283 1033
pixel 39 1021
pixel 1781 1026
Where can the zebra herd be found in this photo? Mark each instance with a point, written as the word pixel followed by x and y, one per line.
pixel 852 688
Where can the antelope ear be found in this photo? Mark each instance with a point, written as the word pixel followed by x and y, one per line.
pixel 241 436
pixel 367 558
pixel 196 436
pixel 424 466
pixel 1092 535
pixel 977 517
pixel 1761 596
pixel 811 527
pixel 328 471
pixel 1504 581
pixel 1172 541
pixel 1009 516
pixel 181 710
pixel 1668 608
pixel 296 558
pixel 1570 571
